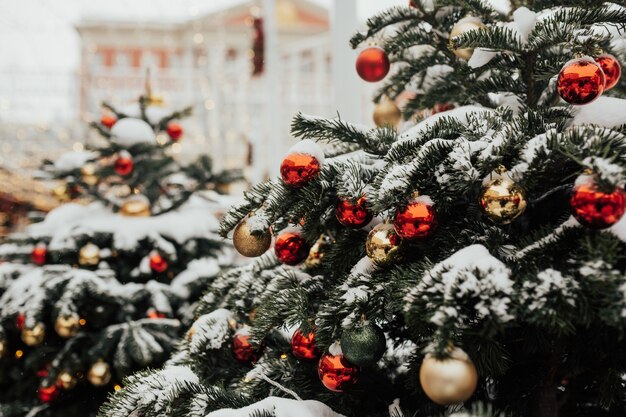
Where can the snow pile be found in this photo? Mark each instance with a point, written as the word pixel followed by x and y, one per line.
pixel 197 268
pixel 605 111
pixel 154 114
pixel 130 131
pixel 211 331
pixel 280 407
pixel 471 276
pixel 462 113
pixel 545 295
pixel 191 220
pixel 308 147
pixel 155 391
pixel 70 161
pixel 523 23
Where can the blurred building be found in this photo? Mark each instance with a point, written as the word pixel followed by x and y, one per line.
pixel 215 63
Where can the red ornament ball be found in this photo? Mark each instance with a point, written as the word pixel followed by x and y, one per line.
pixel 155 314
pixel 107 121
pixel 303 345
pixel 243 350
pixel 291 248
pixel 39 254
pixel 158 264
pixel 611 68
pixel 581 81
pixel 20 321
pixel 596 209
pixel 417 220
pixel 49 394
pixel 297 169
pixel 174 131
pixel 124 165
pixel 353 215
pixel 441 107
pixel 336 373
pixel 372 64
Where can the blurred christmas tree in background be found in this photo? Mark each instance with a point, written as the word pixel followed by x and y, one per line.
pixel 107 284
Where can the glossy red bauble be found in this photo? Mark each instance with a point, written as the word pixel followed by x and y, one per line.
pixel 581 81
pixel 39 255
pixel 372 64
pixel 291 248
pixel 158 263
pixel 243 350
pixel 124 165
pixel 596 209
pixel 303 346
pixel 611 68
pixel 336 373
pixel 298 169
pixel 353 215
pixel 174 131
pixel 107 121
pixel 417 220
pixel 49 394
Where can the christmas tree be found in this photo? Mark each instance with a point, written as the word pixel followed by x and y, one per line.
pixel 470 262
pixel 100 290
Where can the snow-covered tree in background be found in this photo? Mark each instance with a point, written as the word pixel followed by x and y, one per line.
pixel 473 264
pixel 97 291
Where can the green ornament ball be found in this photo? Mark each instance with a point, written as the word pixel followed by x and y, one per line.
pixel 363 345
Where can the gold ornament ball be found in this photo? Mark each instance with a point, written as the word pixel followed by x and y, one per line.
pixel 34 336
pixel 88 172
pixel 99 374
pixel 136 206
pixel 383 245
pixel 502 200
pixel 3 348
pixel 191 333
pixel 89 255
pixel 67 326
pixel 449 380
pixel 464 25
pixel 67 380
pixel 61 193
pixel 387 113
pixel 248 244
pixel 316 254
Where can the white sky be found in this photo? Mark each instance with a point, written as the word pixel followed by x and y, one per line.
pixel 37 35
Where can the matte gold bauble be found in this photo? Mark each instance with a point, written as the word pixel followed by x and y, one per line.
pixel 88 173
pixel 316 254
pixel 34 336
pixel 502 200
pixel 67 326
pixel 464 25
pixel 67 380
pixel 99 374
pixel 61 193
pixel 89 255
pixel 448 380
pixel 383 244
pixel 386 113
pixel 136 206
pixel 248 244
